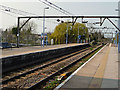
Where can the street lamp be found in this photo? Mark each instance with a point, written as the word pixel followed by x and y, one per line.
pixel 67 31
pixel 67 34
pixel 116 39
pixel 78 34
pixel 44 25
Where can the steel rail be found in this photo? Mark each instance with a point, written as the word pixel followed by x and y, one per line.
pixel 43 66
pixel 59 71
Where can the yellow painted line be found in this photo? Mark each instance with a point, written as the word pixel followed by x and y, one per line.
pixel 97 79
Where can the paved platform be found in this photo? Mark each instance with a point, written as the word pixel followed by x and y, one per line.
pixel 24 50
pixel 101 71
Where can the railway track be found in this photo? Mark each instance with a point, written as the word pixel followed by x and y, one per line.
pixel 33 77
pixel 19 73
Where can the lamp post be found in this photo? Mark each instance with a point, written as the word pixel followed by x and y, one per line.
pixel 84 34
pixel 78 35
pixel 116 39
pixel 67 34
pixel 44 25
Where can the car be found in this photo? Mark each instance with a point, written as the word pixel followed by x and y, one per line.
pixel 13 44
pixel 5 45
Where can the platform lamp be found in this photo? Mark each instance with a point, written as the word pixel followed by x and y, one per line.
pixel 44 24
pixel 116 39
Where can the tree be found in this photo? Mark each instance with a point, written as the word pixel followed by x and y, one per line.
pixel 26 33
pixel 14 31
pixel 30 26
pixel 83 31
pixel 59 34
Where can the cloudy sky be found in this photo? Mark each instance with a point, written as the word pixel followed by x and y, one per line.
pixel 77 7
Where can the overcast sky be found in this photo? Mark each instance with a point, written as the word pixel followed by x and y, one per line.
pixel 77 7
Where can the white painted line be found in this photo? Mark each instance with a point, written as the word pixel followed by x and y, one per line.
pixel 59 86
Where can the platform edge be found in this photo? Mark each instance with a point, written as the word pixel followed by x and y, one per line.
pixel 59 86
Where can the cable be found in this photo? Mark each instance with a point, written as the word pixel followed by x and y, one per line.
pixel 5 9
pixel 15 11
pixel 49 4
pixel 59 7
pixel 9 14
pixel 55 8
pixel 8 10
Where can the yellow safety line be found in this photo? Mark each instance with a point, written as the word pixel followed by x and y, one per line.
pixel 97 79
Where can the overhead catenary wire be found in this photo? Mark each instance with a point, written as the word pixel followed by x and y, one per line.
pixel 58 7
pixel 55 7
pixel 15 11
pixel 8 10
pixel 9 14
pixel 19 12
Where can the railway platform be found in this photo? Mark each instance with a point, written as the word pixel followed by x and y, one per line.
pixel 32 49
pixel 100 71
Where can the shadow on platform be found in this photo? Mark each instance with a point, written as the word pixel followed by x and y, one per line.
pixel 90 83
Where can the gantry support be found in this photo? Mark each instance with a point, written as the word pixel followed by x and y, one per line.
pixel 72 17
pixel 19 28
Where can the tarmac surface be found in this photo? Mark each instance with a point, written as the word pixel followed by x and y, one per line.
pixel 24 50
pixel 101 71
